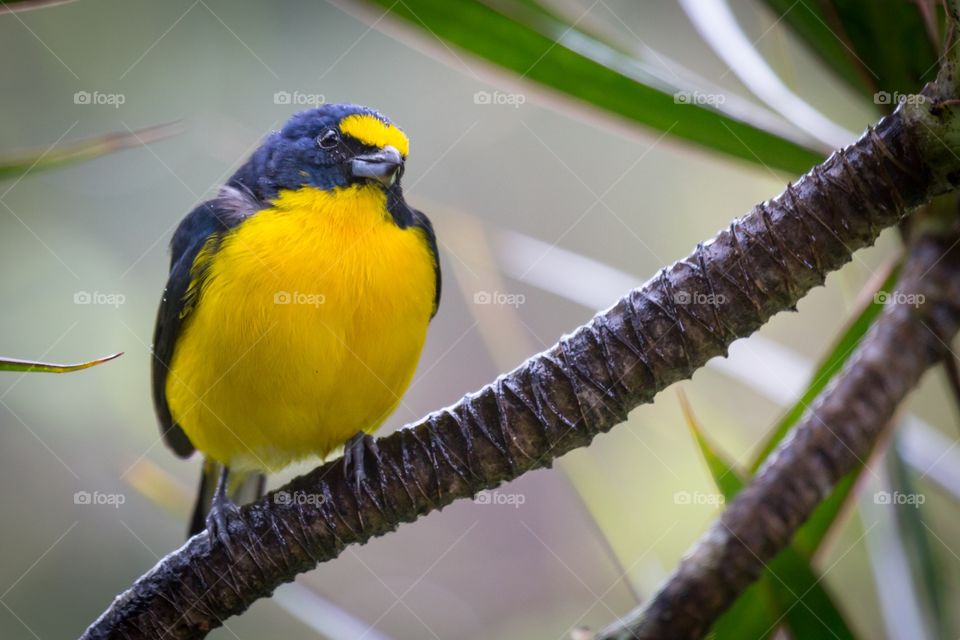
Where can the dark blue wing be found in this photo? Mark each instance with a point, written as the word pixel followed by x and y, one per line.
pixel 208 222
pixel 406 216
pixel 423 222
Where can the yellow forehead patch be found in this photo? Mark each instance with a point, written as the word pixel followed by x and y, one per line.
pixel 371 130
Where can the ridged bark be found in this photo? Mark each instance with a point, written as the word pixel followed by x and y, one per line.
pixel 835 435
pixel 560 399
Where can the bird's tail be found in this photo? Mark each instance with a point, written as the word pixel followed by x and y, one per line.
pixel 243 487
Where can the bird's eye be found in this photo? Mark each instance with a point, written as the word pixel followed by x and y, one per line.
pixel 328 139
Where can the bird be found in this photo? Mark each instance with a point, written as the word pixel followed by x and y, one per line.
pixel 296 308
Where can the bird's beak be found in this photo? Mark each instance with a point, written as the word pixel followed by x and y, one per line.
pixel 383 166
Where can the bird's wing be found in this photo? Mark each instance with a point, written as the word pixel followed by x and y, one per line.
pixel 200 232
pixel 423 222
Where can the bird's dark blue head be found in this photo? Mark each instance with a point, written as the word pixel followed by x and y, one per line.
pixel 334 145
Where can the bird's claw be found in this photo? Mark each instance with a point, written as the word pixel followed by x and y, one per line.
pixel 222 514
pixel 354 458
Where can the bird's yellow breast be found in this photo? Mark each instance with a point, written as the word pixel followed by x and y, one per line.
pixel 309 325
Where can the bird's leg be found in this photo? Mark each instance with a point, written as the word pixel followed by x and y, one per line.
pixel 354 454
pixel 222 510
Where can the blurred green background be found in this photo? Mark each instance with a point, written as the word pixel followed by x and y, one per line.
pixel 540 201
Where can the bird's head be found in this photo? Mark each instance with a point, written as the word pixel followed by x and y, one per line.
pixel 335 145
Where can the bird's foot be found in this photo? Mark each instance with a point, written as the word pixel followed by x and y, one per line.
pixel 223 513
pixel 355 458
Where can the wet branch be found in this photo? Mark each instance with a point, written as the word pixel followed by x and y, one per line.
pixel 584 385
pixel 835 435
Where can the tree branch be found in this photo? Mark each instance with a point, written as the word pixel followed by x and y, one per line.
pixel 560 399
pixel 836 434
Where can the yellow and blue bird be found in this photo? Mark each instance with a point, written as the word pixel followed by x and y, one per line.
pixel 296 308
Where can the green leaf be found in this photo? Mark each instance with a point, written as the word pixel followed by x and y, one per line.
pixel 756 610
pixel 10 364
pixel 874 46
pixel 814 531
pixel 926 566
pixel 808 609
pixel 30 161
pixel 789 591
pixel 725 476
pixel 11 6
pixel 811 535
pixel 556 55
pixel 752 615
pixel 839 352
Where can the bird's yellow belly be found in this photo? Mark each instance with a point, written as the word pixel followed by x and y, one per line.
pixel 308 329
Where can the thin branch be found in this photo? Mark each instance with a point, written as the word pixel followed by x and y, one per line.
pixel 560 399
pixel 834 436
